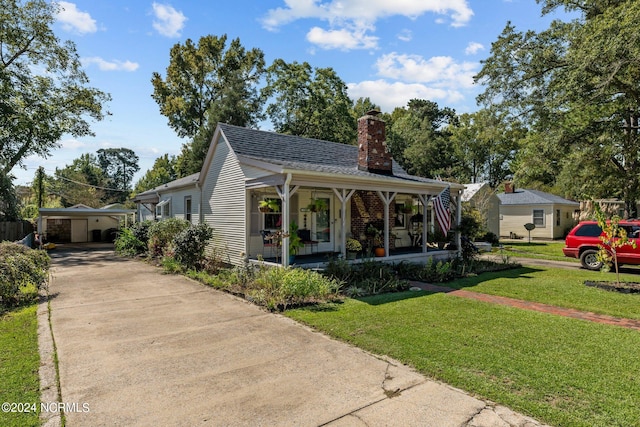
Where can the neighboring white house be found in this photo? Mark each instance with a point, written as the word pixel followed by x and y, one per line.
pixel 175 199
pixel 80 223
pixel 552 215
pixel 357 185
pixel 482 197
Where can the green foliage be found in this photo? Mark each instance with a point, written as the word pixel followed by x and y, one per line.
pixel 295 242
pixel 80 182
pixel 127 244
pixel 431 272
pixel 366 278
pixel 162 233
pixel 575 87
pixel 163 171
pixel 614 237
pixel 279 288
pixel 189 245
pixel 207 83
pixel 22 272
pixel 118 166
pixel 43 88
pixel 312 103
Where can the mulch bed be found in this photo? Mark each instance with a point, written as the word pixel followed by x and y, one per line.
pixel 624 287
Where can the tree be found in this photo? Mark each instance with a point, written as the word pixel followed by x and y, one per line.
pixel 420 139
pixel 118 166
pixel 81 182
pixel 577 85
pixel 43 89
pixel 307 102
pixel 163 171
pixel 205 84
pixel 485 145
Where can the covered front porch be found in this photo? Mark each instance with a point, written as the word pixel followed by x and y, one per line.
pixel 391 213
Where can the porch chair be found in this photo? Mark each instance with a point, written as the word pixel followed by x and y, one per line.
pixel 268 242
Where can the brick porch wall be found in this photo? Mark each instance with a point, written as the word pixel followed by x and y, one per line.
pixel 367 207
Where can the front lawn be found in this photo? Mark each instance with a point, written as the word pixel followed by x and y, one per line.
pixel 558 370
pixel 539 250
pixel 19 362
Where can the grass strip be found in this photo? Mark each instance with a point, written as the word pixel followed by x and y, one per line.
pixel 19 362
pixel 558 370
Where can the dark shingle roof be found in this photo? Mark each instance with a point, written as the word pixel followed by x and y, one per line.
pixel 533 197
pixel 295 152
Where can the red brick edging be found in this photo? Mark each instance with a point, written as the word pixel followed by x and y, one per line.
pixel 534 306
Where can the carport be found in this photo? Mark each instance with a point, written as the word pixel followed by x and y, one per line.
pixel 82 224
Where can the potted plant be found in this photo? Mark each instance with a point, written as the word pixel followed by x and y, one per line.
pixel 317 205
pixel 407 209
pixel 295 242
pixel 268 205
pixel 353 247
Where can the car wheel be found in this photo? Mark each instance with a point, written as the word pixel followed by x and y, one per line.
pixel 589 260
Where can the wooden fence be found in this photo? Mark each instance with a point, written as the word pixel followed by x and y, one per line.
pixel 16 230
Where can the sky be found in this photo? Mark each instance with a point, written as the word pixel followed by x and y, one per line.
pixel 389 51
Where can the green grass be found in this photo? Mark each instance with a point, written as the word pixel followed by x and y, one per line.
pixel 558 370
pixel 539 250
pixel 559 287
pixel 19 362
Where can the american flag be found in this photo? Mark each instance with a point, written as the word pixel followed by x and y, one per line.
pixel 443 212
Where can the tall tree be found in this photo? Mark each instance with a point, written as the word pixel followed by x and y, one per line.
pixel 205 84
pixel 43 88
pixel 309 102
pixel 81 182
pixel 420 139
pixel 485 146
pixel 118 166
pixel 577 84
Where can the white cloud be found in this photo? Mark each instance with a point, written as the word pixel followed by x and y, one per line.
pixel 473 48
pixel 405 35
pixel 341 39
pixel 350 20
pixel 439 71
pixel 169 22
pixel 114 65
pixel 396 94
pixel 72 144
pixel 73 20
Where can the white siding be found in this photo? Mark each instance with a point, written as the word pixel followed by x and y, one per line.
pixel 223 204
pixel 513 219
pixel 177 202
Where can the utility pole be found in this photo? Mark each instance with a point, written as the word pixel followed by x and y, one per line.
pixel 40 186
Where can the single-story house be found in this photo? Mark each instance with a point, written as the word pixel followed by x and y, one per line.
pixel 331 191
pixel 553 216
pixel 175 199
pixel 481 196
pixel 81 224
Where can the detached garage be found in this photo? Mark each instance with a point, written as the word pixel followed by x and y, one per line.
pixel 81 224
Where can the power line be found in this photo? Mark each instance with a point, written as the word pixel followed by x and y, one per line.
pixel 92 186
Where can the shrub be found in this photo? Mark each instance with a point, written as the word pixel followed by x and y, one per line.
pixel 128 244
pixel 22 272
pixel 491 238
pixel 367 278
pixel 189 245
pixel 162 233
pixel 278 288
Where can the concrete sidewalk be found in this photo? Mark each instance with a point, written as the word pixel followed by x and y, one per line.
pixel 140 348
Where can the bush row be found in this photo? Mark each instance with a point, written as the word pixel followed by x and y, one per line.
pixel 22 272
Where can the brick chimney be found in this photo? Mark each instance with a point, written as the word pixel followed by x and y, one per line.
pixel 509 187
pixel 373 155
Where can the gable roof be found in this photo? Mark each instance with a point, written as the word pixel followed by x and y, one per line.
pixel 533 197
pixel 178 183
pixel 471 190
pixel 307 154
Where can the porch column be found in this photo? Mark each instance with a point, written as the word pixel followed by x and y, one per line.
pixel 344 198
pixel 424 199
pixel 285 195
pixel 386 199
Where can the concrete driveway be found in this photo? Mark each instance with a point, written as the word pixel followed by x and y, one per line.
pixel 140 348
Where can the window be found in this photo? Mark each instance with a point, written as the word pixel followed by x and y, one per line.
pixel 273 219
pixel 187 208
pixel 557 216
pixel 538 217
pixel 163 209
pixel 589 230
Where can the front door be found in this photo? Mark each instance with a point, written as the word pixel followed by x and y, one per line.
pixel 322 225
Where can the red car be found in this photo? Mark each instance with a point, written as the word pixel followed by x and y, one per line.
pixel 584 240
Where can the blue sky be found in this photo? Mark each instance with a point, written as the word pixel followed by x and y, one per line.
pixel 390 51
